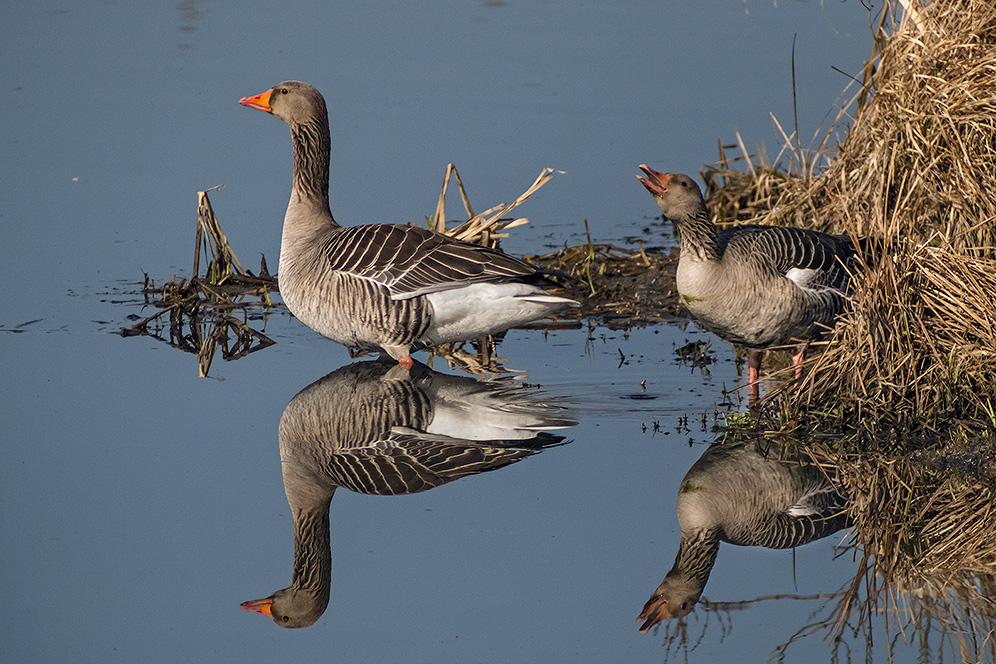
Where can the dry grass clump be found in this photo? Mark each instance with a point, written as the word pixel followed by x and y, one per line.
pixel 922 147
pixel 917 174
pixel 920 150
pixel 919 347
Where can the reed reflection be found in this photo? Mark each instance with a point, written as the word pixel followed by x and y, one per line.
pixel 741 494
pixel 376 428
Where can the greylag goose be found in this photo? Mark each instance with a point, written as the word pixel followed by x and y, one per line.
pixel 378 428
pixel 386 287
pixel 756 286
pixel 737 494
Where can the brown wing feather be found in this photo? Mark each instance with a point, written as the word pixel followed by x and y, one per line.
pixel 411 261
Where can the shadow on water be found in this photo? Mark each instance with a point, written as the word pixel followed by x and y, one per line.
pixel 375 428
pixel 934 590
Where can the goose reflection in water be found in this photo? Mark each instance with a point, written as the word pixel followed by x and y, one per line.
pixel 376 428
pixel 744 495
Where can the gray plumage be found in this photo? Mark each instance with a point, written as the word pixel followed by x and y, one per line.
pixel 741 495
pixel 376 428
pixel 390 287
pixel 757 286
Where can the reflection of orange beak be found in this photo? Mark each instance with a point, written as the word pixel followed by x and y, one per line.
pixel 654 610
pixel 656 183
pixel 259 605
pixel 260 102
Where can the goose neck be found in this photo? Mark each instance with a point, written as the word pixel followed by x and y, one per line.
pixel 697 234
pixel 696 556
pixel 313 552
pixel 312 147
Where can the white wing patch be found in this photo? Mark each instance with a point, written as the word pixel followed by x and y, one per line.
pixel 803 277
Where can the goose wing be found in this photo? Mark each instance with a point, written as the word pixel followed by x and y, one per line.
pixel 809 258
pixel 409 461
pixel 411 261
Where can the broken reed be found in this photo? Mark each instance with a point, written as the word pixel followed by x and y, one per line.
pixel 916 172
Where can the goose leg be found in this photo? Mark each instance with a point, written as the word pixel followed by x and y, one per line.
pixel 797 359
pixel 753 372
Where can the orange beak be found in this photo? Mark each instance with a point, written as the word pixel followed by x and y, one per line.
pixel 260 102
pixel 656 183
pixel 259 605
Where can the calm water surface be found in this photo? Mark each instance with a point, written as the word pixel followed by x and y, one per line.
pixel 143 504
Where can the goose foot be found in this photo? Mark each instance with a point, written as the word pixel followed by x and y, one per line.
pixel 407 362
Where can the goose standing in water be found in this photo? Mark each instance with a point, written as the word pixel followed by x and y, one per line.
pixel 386 287
pixel 756 286
pixel 737 494
pixel 377 428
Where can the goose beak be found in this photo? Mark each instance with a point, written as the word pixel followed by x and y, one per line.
pixel 258 606
pixel 260 102
pixel 653 611
pixel 656 183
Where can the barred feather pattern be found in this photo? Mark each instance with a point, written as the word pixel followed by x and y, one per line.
pixel 311 140
pixel 411 261
pixel 349 309
pixel 312 572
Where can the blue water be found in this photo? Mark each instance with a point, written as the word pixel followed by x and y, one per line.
pixel 142 504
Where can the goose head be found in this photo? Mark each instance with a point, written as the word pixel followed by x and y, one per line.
pixel 293 102
pixel 290 607
pixel 678 196
pixel 674 598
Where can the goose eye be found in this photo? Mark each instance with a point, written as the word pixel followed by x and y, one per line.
pixel 286 618
pixel 684 605
pixel 683 184
pixel 283 91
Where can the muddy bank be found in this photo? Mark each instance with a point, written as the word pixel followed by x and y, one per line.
pixel 618 286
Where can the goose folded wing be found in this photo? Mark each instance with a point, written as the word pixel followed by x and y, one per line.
pixel 411 261
pixel 809 258
pixel 409 461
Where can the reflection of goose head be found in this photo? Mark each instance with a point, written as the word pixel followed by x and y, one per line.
pixel 291 607
pixel 674 598
pixel 375 428
pixel 734 493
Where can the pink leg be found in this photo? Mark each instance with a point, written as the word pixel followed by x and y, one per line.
pixel 753 372
pixel 797 360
